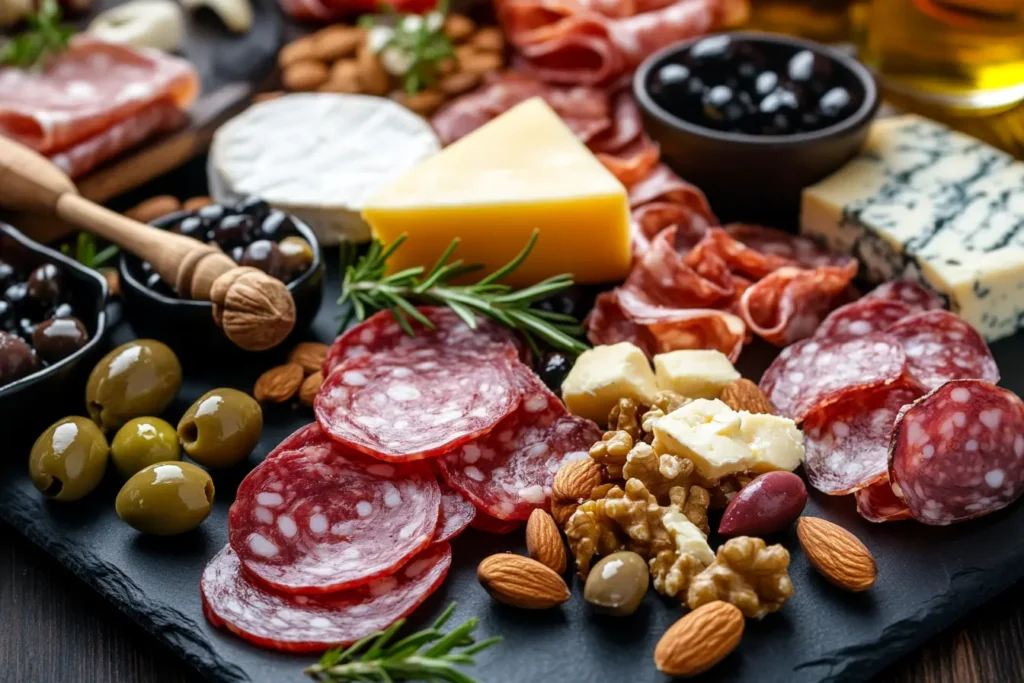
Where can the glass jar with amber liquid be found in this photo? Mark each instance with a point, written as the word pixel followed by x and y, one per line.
pixel 822 20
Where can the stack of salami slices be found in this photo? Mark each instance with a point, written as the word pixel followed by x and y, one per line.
pixel 344 528
pixel 898 403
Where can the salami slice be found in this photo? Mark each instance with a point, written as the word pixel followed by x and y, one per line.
pixel 492 525
pixel 817 372
pixel 861 317
pixel 908 293
pixel 311 623
pixel 301 437
pixel 457 513
pixel 941 346
pixel 508 472
pixel 877 503
pixel 958 452
pixel 322 518
pixel 847 443
pixel 402 404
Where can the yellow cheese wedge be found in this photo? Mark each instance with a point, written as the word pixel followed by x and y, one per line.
pixel 524 170
pixel 603 375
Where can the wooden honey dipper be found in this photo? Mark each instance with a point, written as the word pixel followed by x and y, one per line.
pixel 256 311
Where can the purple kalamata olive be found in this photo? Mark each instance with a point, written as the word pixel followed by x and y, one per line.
pixel 768 504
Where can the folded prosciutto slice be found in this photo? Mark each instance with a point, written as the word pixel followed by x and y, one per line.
pixel 94 101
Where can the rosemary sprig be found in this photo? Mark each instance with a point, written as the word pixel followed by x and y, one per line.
pixel 420 41
pixel 368 290
pixel 44 37
pixel 85 251
pixel 428 655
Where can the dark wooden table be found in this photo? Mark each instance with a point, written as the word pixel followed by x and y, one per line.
pixel 53 628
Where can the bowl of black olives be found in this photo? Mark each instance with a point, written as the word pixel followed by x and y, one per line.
pixel 754 118
pixel 252 234
pixel 51 319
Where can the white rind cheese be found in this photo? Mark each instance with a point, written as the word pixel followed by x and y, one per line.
pixel 319 156
pixel 925 202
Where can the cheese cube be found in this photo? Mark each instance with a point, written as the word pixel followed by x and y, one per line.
pixel 709 433
pixel 603 375
pixel 774 441
pixel 694 373
pixel 524 170
pixel 688 538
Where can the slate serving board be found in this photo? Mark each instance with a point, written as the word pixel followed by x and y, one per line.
pixel 928 577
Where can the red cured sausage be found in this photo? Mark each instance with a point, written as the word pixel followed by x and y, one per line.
pixel 312 623
pixel 941 346
pixel 456 514
pixel 908 293
pixel 861 317
pixel 877 503
pixel 958 452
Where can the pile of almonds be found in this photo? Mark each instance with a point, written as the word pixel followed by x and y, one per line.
pixel 164 204
pixel 339 59
pixel 301 375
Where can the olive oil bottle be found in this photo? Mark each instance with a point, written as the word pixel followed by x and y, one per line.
pixel 823 20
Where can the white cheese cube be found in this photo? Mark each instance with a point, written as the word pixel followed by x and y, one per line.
pixel 689 539
pixel 694 373
pixel 775 441
pixel 709 433
pixel 603 375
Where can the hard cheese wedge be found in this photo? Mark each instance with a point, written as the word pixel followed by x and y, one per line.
pixel 603 375
pixel 925 202
pixel 524 170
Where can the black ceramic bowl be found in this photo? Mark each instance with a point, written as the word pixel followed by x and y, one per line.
pixel 757 177
pixel 38 399
pixel 187 326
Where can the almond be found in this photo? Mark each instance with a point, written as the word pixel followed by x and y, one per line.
pixel 745 395
pixel 196 203
pixel 153 208
pixel 474 61
pixel 458 27
pixel 279 384
pixel 543 541
pixel 576 479
pixel 267 96
pixel 296 51
pixel 837 554
pixel 304 76
pixel 521 582
pixel 561 511
pixel 488 39
pixel 424 103
pixel 310 355
pixel 373 79
pixel 699 640
pixel 458 83
pixel 310 388
pixel 337 42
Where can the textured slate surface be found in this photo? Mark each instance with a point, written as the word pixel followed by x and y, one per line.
pixel 928 577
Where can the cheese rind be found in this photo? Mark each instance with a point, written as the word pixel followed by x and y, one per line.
pixel 521 172
pixel 694 373
pixel 925 202
pixel 603 375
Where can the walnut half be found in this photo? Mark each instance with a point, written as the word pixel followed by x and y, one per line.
pixel 747 573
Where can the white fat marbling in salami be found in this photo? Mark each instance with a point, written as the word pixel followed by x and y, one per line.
pixel 323 518
pixel 817 372
pixel 312 623
pixel 941 346
pixel 410 404
pixel 847 443
pixel 958 452
pixel 508 472
pixel 861 317
pixel 907 292
pixel 877 503
pixel 456 513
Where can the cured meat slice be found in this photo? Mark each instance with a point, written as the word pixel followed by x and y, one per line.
pixel 508 472
pixel 457 513
pixel 958 452
pixel 301 437
pixel 847 443
pixel 406 404
pixel 815 373
pixel 492 525
pixel 323 518
pixel 756 250
pixel 313 623
pixel 907 292
pixel 380 332
pixel 861 317
pixel 877 503
pixel 941 346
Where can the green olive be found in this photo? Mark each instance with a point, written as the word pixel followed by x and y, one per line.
pixel 166 498
pixel 617 584
pixel 221 428
pixel 68 459
pixel 142 442
pixel 135 379
pixel 298 254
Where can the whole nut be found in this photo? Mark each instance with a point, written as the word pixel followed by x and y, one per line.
pixel 458 27
pixel 336 42
pixel 521 582
pixel 745 395
pixel 576 479
pixel 310 388
pixel 154 207
pixel 279 384
pixel 196 203
pixel 344 77
pixel 373 79
pixel 617 584
pixel 837 554
pixel 489 39
pixel 474 61
pixel 543 541
pixel 699 640
pixel 766 505
pixel 304 76
pixel 424 103
pixel 310 355
pixel 296 51
pixel 458 83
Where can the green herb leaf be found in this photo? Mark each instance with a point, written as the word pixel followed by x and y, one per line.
pixel 44 37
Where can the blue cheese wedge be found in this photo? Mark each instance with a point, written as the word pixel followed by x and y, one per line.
pixel 928 203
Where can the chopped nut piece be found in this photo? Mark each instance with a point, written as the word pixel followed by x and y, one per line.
pixel 611 452
pixel 673 572
pixel 667 401
pixel 746 573
pixel 659 473
pixel 623 417
pixel 694 505
pixel 590 532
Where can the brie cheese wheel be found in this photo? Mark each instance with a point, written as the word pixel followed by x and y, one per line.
pixel 318 156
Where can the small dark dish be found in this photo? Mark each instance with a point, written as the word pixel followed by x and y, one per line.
pixel 719 128
pixel 38 398
pixel 187 326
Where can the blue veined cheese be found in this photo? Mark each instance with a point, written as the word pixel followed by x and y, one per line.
pixel 928 203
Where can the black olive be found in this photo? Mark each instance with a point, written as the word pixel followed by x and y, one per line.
pixel 554 368
pixel 7 274
pixel 765 82
pixel 211 213
pixel 7 319
pixel 810 69
pixel 723 104
pixel 63 310
pixel 276 224
pixel 146 267
pixel 193 227
pixel 236 253
pixel 44 287
pixel 834 102
pixel 253 206
pixel 810 120
pixel 571 301
pixel 16 295
pixel 694 87
pixel 26 328
pixel 672 75
pixel 56 339
pixel 234 230
pixel 266 256
pixel 711 50
pixel 17 358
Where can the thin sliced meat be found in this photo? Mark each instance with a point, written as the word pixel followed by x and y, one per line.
pixel 941 346
pixel 815 373
pixel 457 513
pixel 861 317
pixel 322 518
pixel 313 623
pixel 756 250
pixel 492 525
pixel 508 473
pixel 916 297
pixel 300 438
pixel 958 452
pixel 409 404
pixel 847 443
pixel 877 503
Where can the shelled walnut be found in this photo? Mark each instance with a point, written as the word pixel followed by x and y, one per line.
pixel 746 573
pixel 611 451
pixel 625 417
